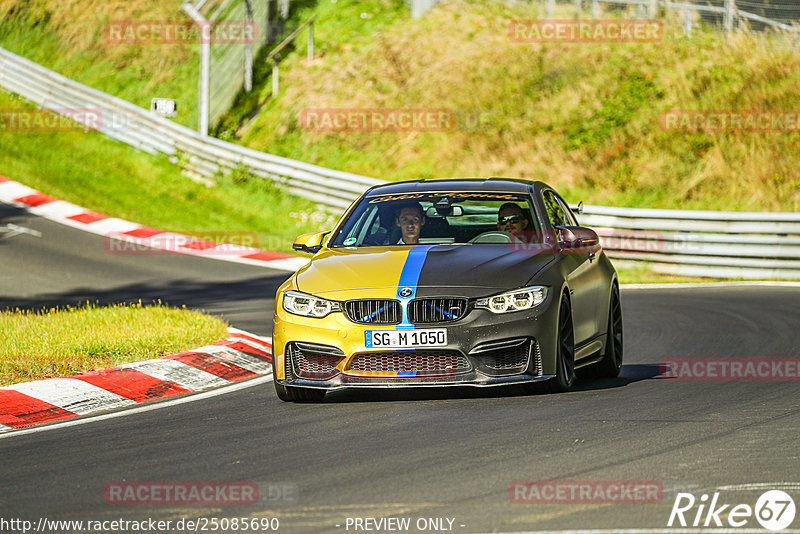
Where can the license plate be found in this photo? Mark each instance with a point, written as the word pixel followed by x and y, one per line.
pixel 432 337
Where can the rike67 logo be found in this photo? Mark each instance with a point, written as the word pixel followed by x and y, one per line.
pixel 774 510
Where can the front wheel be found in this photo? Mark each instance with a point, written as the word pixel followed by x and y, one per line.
pixel 298 394
pixel 611 364
pixel 565 352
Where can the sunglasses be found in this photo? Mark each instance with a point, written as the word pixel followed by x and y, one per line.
pixel 513 219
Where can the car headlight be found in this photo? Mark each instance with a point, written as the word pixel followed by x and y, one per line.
pixel 511 301
pixel 308 305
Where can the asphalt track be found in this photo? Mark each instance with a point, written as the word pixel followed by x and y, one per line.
pixel 419 453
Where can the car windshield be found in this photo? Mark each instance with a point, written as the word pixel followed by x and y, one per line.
pixel 454 217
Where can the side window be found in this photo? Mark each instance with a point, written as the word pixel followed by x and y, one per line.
pixel 570 217
pixel 554 210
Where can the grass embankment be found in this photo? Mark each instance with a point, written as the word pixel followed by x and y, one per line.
pixel 101 174
pixel 109 177
pixel 72 38
pixel 65 342
pixel 583 117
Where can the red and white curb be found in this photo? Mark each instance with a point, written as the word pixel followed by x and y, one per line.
pixel 239 357
pixel 136 235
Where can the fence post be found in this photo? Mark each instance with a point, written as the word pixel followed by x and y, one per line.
pixel 205 69
pixel 274 79
pixel 268 22
pixel 248 50
pixel 577 4
pixel 550 8
pixel 730 8
pixel 311 41
pixel 687 22
pixel 595 9
pixel 652 9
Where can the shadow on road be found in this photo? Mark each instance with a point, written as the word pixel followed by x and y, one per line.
pixel 630 374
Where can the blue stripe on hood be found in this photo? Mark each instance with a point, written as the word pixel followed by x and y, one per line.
pixel 409 278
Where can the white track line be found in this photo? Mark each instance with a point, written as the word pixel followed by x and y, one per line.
pixel 105 227
pixel 11 190
pixel 73 395
pixel 263 343
pixel 754 283
pixel 655 531
pixel 762 486
pixel 174 371
pixel 143 408
pixel 110 228
pixel 60 208
pixel 227 354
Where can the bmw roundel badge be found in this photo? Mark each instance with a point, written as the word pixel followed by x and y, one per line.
pixel 406 292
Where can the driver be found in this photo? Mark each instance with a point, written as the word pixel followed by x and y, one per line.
pixel 410 219
pixel 511 218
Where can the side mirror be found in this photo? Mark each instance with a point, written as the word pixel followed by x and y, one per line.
pixel 572 237
pixel 310 243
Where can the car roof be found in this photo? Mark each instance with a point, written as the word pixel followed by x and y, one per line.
pixel 512 185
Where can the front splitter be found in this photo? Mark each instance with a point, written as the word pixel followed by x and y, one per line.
pixel 360 382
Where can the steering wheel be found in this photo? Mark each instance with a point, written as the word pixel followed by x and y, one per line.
pixel 496 237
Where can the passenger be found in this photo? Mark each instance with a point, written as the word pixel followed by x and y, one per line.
pixel 511 218
pixel 410 219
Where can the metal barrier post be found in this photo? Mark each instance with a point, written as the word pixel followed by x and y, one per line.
pixel 274 79
pixel 248 51
pixel 730 9
pixel 205 69
pixel 311 41
pixel 687 22
pixel 551 8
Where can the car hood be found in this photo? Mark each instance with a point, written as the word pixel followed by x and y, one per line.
pixel 429 270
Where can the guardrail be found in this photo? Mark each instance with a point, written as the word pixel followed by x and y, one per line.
pixel 698 243
pixel 701 243
pixel 203 155
pixel 729 11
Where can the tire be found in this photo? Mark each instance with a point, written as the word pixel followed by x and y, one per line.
pixel 565 352
pixel 611 364
pixel 298 394
pixel 295 393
